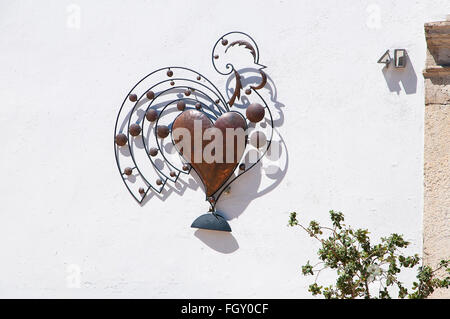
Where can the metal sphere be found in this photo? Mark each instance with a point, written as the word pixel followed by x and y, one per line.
pixel 198 106
pixel 121 139
pixel 258 139
pixel 159 182
pixel 173 174
pixel 169 73
pixel 151 115
pixel 135 129
pixel 181 105
pixel 255 112
pixel 150 95
pixel 141 191
pixel 127 171
pixel 224 42
pixel 153 151
pixel 132 97
pixel 162 131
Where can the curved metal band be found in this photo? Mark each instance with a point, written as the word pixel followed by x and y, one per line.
pixel 269 142
pixel 212 90
pixel 149 185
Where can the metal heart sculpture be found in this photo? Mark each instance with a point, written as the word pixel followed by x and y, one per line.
pixel 148 112
pixel 224 157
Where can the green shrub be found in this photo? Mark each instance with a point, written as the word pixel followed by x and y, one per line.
pixel 358 263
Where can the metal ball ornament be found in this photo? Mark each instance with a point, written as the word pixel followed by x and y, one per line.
pixel 151 115
pixel 162 131
pixel 181 105
pixel 121 139
pixel 255 112
pixel 153 151
pixel 150 95
pixel 258 139
pixel 135 129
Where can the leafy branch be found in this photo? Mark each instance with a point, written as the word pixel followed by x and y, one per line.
pixel 358 263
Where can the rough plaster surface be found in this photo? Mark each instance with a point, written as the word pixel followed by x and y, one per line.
pixel 353 136
pixel 436 221
pixel 437 90
pixel 437 186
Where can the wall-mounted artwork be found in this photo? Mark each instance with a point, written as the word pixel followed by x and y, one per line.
pixel 176 122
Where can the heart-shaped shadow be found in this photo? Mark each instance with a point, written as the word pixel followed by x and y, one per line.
pixel 212 149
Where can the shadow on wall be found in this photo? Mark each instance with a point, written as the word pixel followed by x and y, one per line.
pixel 222 242
pixel 272 167
pixel 406 77
pixel 254 182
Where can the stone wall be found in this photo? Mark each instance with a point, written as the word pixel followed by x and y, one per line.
pixel 437 146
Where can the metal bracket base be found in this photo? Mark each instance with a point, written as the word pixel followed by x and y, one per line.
pixel 212 222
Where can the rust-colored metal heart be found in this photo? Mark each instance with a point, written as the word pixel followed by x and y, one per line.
pixel 213 174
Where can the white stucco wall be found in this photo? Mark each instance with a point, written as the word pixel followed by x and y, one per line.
pixel 353 135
